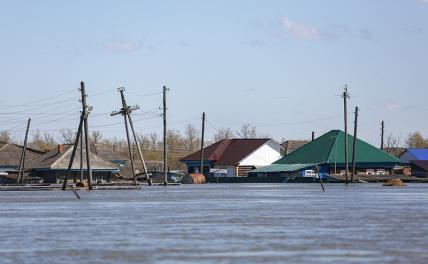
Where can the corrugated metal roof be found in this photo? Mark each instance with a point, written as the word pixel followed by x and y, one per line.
pixel 107 153
pixel 59 161
pixel 228 151
pixel 418 153
pixel 292 145
pixel 282 168
pixel 330 147
pixel 10 154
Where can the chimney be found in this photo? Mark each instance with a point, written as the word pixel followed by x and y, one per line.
pixel 61 148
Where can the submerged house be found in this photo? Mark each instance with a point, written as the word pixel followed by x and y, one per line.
pixel 327 154
pixel 52 166
pixel 122 160
pixel 233 157
pixel 10 156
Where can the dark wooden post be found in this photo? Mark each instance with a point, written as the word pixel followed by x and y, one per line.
pixel 20 177
pixel 126 112
pixel 81 157
pixel 83 125
pixel 202 143
pixel 354 144
pixel 73 153
pixel 313 135
pixel 165 164
pixel 319 176
pixel 382 134
pixel 85 115
pixel 345 97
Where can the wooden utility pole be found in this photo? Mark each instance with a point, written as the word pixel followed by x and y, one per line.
pixel 382 134
pixel 313 135
pixel 20 177
pixel 83 125
pixel 319 176
pixel 165 163
pixel 345 98
pixel 354 144
pixel 126 113
pixel 202 143
pixel 81 158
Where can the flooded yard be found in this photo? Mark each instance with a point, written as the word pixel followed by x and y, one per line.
pixel 218 223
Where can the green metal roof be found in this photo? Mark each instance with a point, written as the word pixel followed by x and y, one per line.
pixel 281 168
pixel 330 147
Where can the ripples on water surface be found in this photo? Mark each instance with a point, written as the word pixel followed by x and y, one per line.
pixel 236 223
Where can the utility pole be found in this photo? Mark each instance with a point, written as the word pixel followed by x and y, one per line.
pixel 126 113
pixel 354 144
pixel 20 178
pixel 345 98
pixel 382 134
pixel 81 158
pixel 165 164
pixel 202 143
pixel 83 125
pixel 313 135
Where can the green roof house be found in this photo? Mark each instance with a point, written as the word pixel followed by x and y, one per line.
pixel 328 152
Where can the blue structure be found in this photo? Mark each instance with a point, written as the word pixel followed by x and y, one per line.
pixel 414 154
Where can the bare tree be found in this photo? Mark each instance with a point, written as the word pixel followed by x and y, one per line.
pixel 49 141
pixel 5 137
pixel 42 142
pixel 247 131
pixel 144 140
pixel 67 136
pixel 223 133
pixel 393 145
pixel 192 139
pixel 154 140
pixel 96 137
pixel 415 140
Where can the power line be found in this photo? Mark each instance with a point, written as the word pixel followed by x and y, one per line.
pixel 37 101
pixel 144 95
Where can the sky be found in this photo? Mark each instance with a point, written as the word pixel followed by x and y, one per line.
pixel 278 65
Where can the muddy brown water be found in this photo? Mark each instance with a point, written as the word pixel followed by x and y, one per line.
pixel 218 223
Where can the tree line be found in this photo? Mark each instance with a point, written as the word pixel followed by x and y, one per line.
pixel 179 143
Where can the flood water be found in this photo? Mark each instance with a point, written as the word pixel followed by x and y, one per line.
pixel 218 223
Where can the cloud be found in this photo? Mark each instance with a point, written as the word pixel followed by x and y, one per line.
pixel 366 34
pixel 302 31
pixel 414 31
pixel 255 43
pixel 117 45
pixel 392 106
pixel 423 1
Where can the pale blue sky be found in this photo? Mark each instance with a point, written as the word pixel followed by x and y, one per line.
pixel 278 65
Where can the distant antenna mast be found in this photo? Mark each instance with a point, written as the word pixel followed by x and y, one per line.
pixel 346 96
